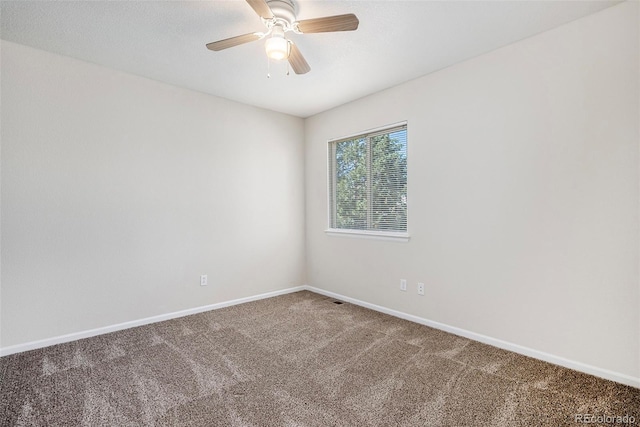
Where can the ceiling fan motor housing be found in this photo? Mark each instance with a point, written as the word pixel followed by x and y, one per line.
pixel 283 10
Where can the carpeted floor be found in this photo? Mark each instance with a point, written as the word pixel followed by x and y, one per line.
pixel 296 360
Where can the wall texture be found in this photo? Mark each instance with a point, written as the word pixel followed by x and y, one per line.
pixel 118 192
pixel 523 195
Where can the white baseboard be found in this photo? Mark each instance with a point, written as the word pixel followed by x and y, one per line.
pixel 557 360
pixel 19 348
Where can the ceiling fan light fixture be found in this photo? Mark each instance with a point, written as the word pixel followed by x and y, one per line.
pixel 277 46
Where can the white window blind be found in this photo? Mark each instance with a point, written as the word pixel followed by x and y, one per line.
pixel 368 181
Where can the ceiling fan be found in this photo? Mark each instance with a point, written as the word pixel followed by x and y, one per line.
pixel 279 16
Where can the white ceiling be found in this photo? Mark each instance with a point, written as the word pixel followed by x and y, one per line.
pixel 397 41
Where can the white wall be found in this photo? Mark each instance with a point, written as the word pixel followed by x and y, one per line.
pixel 523 195
pixel 118 192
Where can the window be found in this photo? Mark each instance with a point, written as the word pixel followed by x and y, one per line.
pixel 368 183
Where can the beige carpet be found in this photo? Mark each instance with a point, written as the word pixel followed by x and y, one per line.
pixel 296 360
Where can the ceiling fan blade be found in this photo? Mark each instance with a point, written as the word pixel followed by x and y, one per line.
pixel 233 41
pixel 348 22
pixel 297 61
pixel 262 8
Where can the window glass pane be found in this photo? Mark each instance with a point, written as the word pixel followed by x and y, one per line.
pixel 351 184
pixel 389 182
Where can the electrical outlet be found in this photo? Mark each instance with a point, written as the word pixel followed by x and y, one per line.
pixel 420 288
pixel 403 285
pixel 203 280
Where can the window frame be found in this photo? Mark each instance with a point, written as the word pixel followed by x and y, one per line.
pixel 399 236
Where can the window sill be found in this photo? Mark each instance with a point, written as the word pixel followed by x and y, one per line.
pixel 364 234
